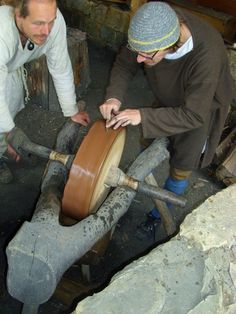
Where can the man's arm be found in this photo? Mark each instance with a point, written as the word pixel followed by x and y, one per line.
pixel 59 66
pixel 6 121
pixel 123 71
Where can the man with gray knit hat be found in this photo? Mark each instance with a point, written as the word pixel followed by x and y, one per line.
pixel 186 64
pixel 146 34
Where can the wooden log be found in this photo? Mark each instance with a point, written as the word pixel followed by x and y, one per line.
pixel 229 181
pixel 226 6
pixel 224 23
pixel 6 2
pixel 37 82
pixel 227 169
pixel 166 217
pixel 68 290
pixel 117 1
pixel 135 4
pixel 224 147
pixel 40 84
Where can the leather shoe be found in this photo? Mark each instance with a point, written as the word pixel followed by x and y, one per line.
pixel 148 227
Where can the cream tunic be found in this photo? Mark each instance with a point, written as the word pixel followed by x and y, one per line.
pixel 13 57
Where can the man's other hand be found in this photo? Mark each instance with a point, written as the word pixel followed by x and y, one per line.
pixel 124 118
pixel 81 117
pixel 110 107
pixel 13 154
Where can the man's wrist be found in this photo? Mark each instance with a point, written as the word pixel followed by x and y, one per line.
pixel 109 99
pixel 114 99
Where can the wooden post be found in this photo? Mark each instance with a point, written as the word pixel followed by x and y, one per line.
pixel 224 147
pixel 226 6
pixel 224 23
pixel 40 84
pixel 227 170
pixel 135 4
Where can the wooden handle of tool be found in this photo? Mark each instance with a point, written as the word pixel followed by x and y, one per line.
pixel 166 217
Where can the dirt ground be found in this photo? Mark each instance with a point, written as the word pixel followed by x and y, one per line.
pixel 18 199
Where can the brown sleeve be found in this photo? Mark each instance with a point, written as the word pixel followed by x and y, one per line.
pixel 194 110
pixel 123 71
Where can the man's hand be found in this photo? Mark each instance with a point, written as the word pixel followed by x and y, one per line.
pixel 124 118
pixel 81 117
pixel 110 107
pixel 13 153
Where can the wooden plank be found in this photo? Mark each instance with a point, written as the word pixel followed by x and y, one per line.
pixel 228 168
pixel 229 181
pixel 68 290
pixel 78 52
pixel 37 82
pixel 135 4
pixel 166 216
pixel 40 84
pixel 94 255
pixel 224 147
pixel 6 2
pixel 226 6
pixel 116 1
pixel 224 23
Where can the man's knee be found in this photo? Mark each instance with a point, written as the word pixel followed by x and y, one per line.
pixel 179 174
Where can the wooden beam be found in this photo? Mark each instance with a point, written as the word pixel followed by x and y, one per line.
pixel 227 169
pixel 40 84
pixel 224 147
pixel 68 290
pixel 224 23
pixel 226 6
pixel 135 4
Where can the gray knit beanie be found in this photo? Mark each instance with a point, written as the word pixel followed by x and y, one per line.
pixel 154 26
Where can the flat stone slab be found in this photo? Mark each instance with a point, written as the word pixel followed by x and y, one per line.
pixel 193 273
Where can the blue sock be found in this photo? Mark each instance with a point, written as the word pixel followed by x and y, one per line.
pixel 176 186
pixel 155 213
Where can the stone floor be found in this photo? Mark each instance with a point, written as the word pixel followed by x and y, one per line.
pixel 17 200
